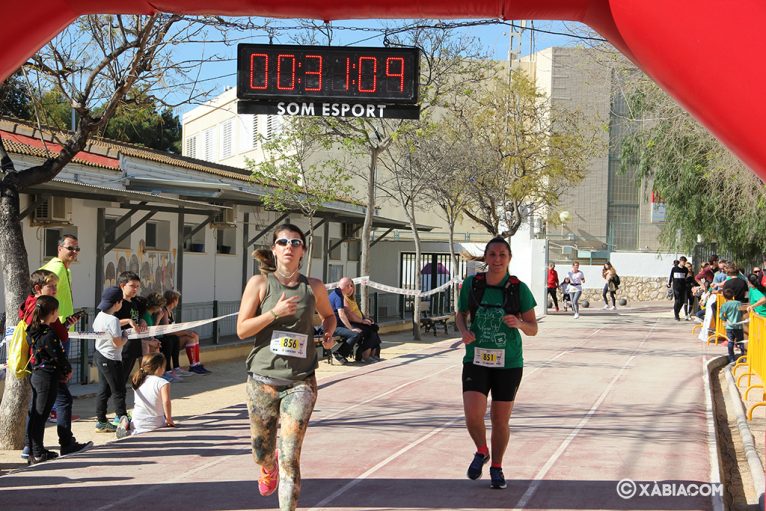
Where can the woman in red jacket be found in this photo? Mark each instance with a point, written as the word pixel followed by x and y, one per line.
pixel 553 284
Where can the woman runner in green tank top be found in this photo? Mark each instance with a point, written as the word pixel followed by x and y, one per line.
pixel 278 309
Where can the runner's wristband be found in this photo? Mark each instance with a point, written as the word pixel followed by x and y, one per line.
pixel 276 316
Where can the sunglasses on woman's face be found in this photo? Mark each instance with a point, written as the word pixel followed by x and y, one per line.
pixel 283 242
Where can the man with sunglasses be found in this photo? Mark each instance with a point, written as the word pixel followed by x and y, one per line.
pixel 68 250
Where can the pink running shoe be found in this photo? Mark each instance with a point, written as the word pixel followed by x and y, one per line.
pixel 269 480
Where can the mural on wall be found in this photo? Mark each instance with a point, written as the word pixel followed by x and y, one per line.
pixel 156 268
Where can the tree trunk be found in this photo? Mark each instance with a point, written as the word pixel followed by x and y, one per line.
pixel 310 253
pixel 367 227
pixel 13 257
pixel 416 307
pixel 455 264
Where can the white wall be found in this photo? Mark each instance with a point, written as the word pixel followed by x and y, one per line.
pixel 638 264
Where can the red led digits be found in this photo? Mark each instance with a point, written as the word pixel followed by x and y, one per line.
pixel 374 74
pixel 280 58
pixel 265 58
pixel 400 74
pixel 317 73
pixel 348 70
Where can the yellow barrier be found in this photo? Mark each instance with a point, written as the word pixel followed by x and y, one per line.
pixel 720 325
pixel 755 361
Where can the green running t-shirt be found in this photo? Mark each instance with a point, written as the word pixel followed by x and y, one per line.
pixel 491 333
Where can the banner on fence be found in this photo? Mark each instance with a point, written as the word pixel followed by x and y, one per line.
pixel 365 281
pixel 152 331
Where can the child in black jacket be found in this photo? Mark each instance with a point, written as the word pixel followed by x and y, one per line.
pixel 49 366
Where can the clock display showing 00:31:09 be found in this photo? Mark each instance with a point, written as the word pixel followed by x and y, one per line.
pixel 275 72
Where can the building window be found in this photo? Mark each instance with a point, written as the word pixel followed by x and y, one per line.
pixel 246 138
pixel 151 235
pixel 111 234
pixel 226 135
pixel 225 240
pixel 354 250
pixel 157 235
pixel 197 242
pixel 209 145
pixel 334 272
pixel 335 252
pixel 318 243
pixel 191 147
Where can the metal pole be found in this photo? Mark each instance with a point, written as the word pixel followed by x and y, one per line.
pixel 180 261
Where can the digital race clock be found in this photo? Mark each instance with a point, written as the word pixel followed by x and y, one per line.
pixel 325 73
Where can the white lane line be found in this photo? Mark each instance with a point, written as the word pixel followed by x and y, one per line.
pixel 383 463
pixel 544 363
pixel 375 398
pixel 538 479
pixel 339 412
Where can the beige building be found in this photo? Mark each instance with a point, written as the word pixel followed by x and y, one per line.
pixel 608 209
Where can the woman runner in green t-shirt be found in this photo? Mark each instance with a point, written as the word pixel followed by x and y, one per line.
pixel 278 309
pixel 493 360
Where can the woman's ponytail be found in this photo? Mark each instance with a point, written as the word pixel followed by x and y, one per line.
pixel 266 261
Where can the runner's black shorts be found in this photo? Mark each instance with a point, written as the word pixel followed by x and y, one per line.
pixel 504 383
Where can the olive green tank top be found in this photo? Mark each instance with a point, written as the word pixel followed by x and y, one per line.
pixel 262 361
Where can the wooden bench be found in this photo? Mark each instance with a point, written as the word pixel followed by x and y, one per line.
pixel 428 322
pixel 326 353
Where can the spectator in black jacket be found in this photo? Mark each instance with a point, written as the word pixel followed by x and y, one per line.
pixel 736 282
pixel 49 367
pixel 677 281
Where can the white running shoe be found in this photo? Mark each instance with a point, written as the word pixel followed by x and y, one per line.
pixel 577 315
pixel 606 307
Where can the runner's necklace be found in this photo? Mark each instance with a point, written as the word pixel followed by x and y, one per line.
pixel 287 277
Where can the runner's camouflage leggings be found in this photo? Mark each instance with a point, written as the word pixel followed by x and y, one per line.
pixel 289 407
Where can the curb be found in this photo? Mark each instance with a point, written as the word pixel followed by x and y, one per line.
pixel 751 453
pixel 715 454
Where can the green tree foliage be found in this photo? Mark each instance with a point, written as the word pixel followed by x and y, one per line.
pixel 14 101
pixel 302 177
pixel 142 123
pixel 706 190
pixel 524 154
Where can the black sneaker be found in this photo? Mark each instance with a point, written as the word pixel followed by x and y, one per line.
pixel 46 456
pixel 476 466
pixel 74 446
pixel 340 358
pixel 498 479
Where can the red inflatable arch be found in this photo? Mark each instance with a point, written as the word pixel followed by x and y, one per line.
pixel 706 53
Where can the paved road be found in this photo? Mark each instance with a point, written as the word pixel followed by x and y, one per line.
pixel 605 398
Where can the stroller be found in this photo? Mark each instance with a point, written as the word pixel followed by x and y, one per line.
pixel 566 300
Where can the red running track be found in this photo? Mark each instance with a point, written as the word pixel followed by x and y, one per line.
pixel 603 399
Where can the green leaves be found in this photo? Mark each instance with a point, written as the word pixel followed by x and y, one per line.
pixel 705 188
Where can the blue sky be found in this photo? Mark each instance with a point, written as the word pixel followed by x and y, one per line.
pixel 220 75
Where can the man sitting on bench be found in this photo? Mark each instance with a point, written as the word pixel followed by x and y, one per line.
pixel 353 327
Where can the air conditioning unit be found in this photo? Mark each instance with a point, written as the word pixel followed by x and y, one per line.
pixel 53 210
pixel 225 218
pixel 348 231
pixel 567 250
